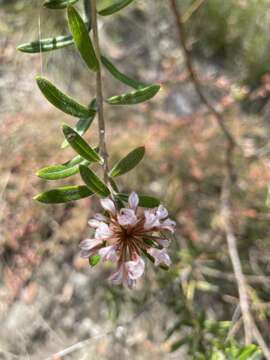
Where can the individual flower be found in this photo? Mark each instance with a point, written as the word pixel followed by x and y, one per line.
pixel 123 236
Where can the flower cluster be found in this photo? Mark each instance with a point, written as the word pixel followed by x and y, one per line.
pixel 124 235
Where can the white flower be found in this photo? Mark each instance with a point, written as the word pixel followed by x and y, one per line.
pixel 151 220
pixel 135 268
pixel 163 242
pixel 121 237
pixel 133 201
pixel 127 217
pixel 128 272
pixel 101 217
pixel 160 256
pixel 162 212
pixel 108 253
pixel 89 247
pixel 103 232
pixel 169 225
pixel 108 205
pixel 94 223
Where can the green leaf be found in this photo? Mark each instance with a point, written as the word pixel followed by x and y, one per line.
pixel 247 352
pixel 58 4
pixel 119 75
pixel 56 172
pixel 135 97
pixel 63 194
pixel 218 355
pixel 268 198
pixel 144 200
pixel 94 260
pixel 84 123
pixel 177 325
pixel 80 145
pixel 93 182
pixel 82 39
pixel 128 162
pixel 62 101
pixel 48 44
pixel 177 344
pixel 114 6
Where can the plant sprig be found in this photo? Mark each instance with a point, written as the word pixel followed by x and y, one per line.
pixel 86 41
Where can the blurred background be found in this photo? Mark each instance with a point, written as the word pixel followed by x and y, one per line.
pixel 50 299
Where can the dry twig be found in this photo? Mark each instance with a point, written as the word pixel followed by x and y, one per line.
pixel 251 330
pixel 193 8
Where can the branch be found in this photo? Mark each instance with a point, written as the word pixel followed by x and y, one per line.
pixel 193 75
pixel 235 258
pixel 99 94
pixel 194 7
pixel 251 330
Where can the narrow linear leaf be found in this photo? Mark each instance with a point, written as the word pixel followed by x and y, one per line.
pixel 114 7
pixel 177 325
pixel 93 182
pixel 144 200
pixel 56 172
pixel 177 344
pixel 63 194
pixel 268 198
pixel 45 45
pixel 135 97
pixel 62 101
pixel 119 75
pixel 247 352
pixel 83 124
pixel 58 4
pixel 128 162
pixel 75 161
pixel 82 39
pixel 80 145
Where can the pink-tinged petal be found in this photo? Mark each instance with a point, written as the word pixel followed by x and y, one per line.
pixel 101 217
pixel 163 242
pixel 133 201
pixel 127 217
pixel 151 220
pixel 108 205
pixel 128 273
pixel 135 268
pixel 94 223
pixel 162 212
pixel 89 247
pixel 85 254
pixel 89 244
pixel 160 256
pixel 128 282
pixel 118 276
pixel 103 232
pixel 108 253
pixel 168 224
pixel 121 277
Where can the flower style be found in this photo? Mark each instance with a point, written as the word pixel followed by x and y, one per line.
pixel 124 235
